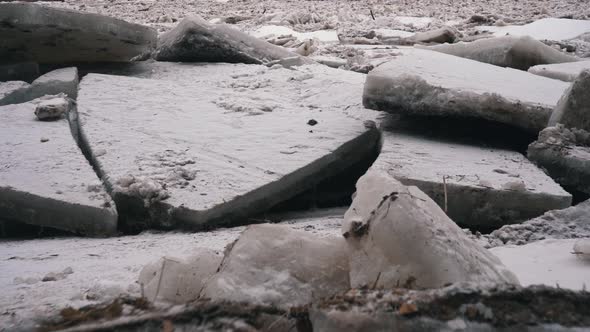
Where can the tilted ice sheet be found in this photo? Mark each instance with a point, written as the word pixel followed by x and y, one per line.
pixel 42 160
pixel 432 83
pixel 206 135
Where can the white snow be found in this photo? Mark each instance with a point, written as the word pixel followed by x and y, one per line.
pixel 547 28
pixel 547 262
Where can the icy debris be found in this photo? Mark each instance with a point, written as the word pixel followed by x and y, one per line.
pixel 21 71
pixel 195 40
pixel 561 71
pixel 507 51
pixel 58 81
pixel 477 186
pixel 149 190
pixel 582 248
pixel 398 237
pixel 13 92
pixel 570 223
pixel 179 280
pixel 329 61
pixel 75 36
pixel 52 109
pixel 276 265
pixel 425 82
pixel 565 154
pixel 56 276
pixel 46 184
pixel 276 31
pixel 545 29
pixel 573 109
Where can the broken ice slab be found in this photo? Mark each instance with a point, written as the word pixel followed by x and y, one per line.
pixel 423 82
pixel 507 51
pixel 277 265
pixel 64 80
pixel 13 92
pixel 30 32
pixel 561 71
pixel 573 109
pixel 478 187
pixel 556 29
pixel 565 154
pixel 45 179
pixel 211 144
pixel 397 236
pixel 196 40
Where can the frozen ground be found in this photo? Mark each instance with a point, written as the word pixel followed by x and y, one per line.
pixel 102 268
pixel 105 268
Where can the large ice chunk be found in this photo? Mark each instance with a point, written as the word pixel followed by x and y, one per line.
pixel 31 32
pixel 64 80
pixel 276 265
pixel 544 29
pixel 565 155
pixel 179 280
pixel 507 51
pixel 561 71
pixel 573 109
pixel 398 237
pixel 196 40
pixel 481 187
pixel 217 143
pixel 45 179
pixel 13 92
pixel 425 82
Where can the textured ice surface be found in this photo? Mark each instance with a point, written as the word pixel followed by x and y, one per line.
pixel 45 179
pixel 188 168
pixel 561 71
pixel 13 92
pixel 425 82
pixel 573 109
pixel 273 264
pixel 398 236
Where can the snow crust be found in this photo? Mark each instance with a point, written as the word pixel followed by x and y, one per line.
pixel 326 36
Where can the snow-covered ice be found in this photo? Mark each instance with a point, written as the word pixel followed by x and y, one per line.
pixel 63 80
pixel 485 187
pixel 218 143
pixel 399 237
pixel 326 36
pixel 507 51
pixel 561 71
pixel 45 179
pixel 545 29
pixel 104 268
pixel 13 92
pixel 425 82
pixel 573 109
pixel 547 262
